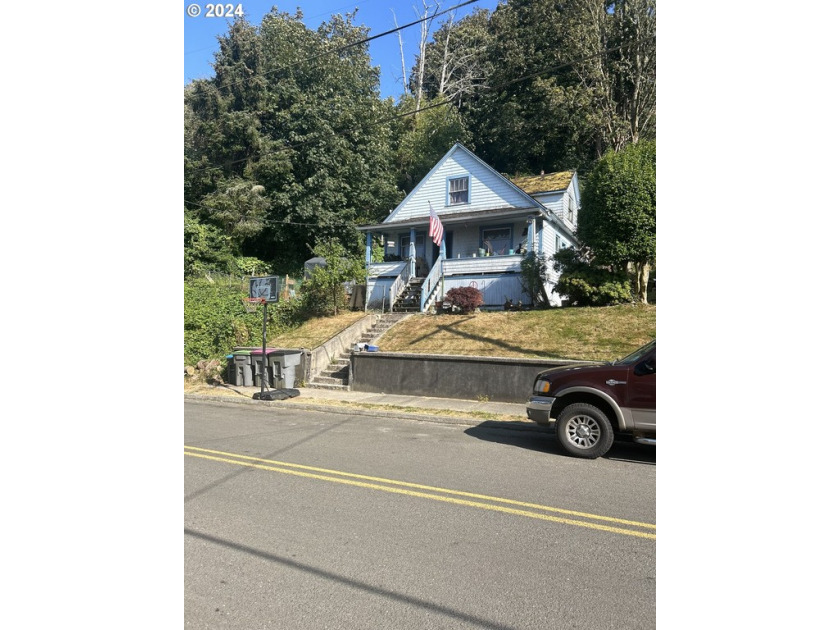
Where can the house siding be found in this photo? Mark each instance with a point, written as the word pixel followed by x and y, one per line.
pixel 540 223
pixel 487 191
pixel 556 202
pixel 494 289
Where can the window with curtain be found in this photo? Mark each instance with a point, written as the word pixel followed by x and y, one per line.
pixel 497 241
pixel 459 189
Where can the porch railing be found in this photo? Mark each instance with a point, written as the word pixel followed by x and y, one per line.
pixel 397 286
pixel 427 292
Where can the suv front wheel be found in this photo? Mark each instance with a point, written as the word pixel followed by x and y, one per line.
pixel 583 430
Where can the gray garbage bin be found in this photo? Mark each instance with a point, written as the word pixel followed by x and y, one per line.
pixel 257 364
pixel 230 377
pixel 283 364
pixel 243 367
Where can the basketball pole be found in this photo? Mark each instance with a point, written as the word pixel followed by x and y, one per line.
pixel 264 357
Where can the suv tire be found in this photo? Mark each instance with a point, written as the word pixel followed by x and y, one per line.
pixel 583 430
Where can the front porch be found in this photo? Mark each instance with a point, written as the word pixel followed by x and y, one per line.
pixel 497 277
pixel 483 250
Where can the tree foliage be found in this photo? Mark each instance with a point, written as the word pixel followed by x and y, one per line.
pixel 456 62
pixel 424 138
pixel 618 212
pixel 239 207
pixel 323 291
pixel 215 320
pixel 205 246
pixel 584 284
pixel 534 268
pixel 543 85
pixel 285 144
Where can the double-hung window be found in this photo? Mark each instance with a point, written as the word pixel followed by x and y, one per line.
pixel 459 190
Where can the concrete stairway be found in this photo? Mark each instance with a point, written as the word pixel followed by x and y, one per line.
pixel 337 374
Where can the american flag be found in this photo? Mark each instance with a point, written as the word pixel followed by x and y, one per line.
pixel 435 226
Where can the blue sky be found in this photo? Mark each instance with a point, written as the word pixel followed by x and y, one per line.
pixel 200 32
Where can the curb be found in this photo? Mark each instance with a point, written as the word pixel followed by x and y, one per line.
pixel 347 408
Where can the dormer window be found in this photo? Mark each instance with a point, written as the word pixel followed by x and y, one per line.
pixel 459 190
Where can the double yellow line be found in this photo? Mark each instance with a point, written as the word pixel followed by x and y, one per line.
pixel 469 499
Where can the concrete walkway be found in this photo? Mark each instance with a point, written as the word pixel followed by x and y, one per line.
pixel 428 408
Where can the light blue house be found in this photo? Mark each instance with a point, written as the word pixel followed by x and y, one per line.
pixel 490 222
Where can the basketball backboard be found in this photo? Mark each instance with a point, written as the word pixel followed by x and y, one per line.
pixel 265 287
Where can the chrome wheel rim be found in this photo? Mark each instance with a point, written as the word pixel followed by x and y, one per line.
pixel 583 431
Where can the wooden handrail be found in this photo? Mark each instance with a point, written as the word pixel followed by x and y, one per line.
pixel 427 292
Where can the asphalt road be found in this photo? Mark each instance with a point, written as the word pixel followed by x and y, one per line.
pixel 302 519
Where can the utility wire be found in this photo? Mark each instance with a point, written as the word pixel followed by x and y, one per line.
pixel 449 101
pixel 341 49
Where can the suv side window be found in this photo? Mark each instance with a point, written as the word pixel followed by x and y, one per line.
pixel 648 366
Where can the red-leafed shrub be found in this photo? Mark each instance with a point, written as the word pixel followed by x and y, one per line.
pixel 464 299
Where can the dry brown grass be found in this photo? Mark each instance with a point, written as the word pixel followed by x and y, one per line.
pixel 315 331
pixel 569 333
pixel 217 391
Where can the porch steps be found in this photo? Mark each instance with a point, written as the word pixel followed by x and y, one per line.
pixel 336 375
pixel 409 300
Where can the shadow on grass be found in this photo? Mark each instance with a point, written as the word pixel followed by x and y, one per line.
pixel 541 439
pixel 517 350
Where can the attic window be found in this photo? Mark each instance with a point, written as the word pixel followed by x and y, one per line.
pixel 459 190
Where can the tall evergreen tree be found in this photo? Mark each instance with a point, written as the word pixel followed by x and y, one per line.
pixel 297 113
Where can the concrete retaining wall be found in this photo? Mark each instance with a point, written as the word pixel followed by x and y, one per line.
pixel 324 354
pixel 447 376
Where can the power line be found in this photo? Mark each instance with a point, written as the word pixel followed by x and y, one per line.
pixel 347 46
pixel 449 101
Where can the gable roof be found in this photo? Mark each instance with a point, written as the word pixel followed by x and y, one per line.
pixel 549 182
pixel 414 205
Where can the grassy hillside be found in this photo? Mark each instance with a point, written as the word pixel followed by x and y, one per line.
pixel 570 333
pixel 315 331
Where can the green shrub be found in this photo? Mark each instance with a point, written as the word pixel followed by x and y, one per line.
pixel 205 247
pixel 215 320
pixel 587 285
pixel 323 291
pixel 594 291
pixel 248 266
pixel 533 276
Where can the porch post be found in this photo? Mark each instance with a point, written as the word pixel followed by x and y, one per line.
pixel 442 263
pixel 531 234
pixel 412 254
pixel 367 248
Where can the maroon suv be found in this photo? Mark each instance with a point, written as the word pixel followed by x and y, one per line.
pixel 593 403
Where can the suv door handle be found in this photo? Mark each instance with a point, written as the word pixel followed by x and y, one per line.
pixel 612 381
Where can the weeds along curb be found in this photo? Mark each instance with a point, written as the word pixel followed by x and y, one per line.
pixel 348 408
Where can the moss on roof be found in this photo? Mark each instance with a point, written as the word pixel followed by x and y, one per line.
pixel 533 184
